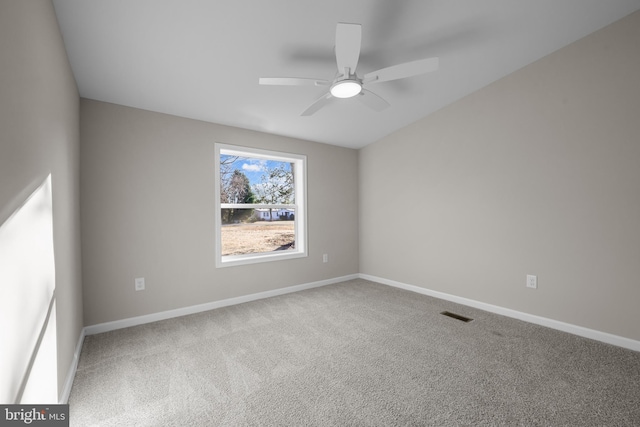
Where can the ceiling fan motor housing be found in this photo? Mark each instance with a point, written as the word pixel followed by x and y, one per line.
pixel 346 88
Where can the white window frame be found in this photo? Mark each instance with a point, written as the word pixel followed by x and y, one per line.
pixel 299 162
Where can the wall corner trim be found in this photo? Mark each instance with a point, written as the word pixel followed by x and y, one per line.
pixel 538 320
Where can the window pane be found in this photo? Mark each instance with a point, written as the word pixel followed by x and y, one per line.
pixel 260 230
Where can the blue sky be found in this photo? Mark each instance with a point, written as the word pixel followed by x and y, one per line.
pixel 254 168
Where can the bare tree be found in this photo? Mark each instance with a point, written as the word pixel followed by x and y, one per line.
pixel 226 173
pixel 239 189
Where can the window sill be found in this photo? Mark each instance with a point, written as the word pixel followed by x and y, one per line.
pixel 235 260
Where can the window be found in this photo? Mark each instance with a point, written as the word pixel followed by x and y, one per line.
pixel 260 205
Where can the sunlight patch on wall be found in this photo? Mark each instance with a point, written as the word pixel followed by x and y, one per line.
pixel 28 354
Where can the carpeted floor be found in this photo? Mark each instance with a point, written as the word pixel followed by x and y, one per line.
pixel 355 353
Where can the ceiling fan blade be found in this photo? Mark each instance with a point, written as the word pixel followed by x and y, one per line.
pixel 348 41
pixel 292 81
pixel 401 71
pixel 372 100
pixel 318 104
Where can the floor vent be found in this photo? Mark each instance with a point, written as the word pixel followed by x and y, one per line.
pixel 457 316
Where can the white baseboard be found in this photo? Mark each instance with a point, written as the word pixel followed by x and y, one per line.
pixel 140 320
pixel 71 374
pixel 543 321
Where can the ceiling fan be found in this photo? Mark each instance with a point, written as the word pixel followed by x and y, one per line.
pixel 347 84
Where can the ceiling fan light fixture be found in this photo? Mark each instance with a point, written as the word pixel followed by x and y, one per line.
pixel 346 89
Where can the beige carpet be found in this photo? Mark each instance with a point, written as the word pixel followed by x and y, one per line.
pixel 356 353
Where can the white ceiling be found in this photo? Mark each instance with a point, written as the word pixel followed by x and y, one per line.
pixel 201 59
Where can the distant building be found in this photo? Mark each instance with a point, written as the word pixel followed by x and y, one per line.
pixel 274 214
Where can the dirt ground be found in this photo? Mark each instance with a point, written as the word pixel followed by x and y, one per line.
pixel 238 239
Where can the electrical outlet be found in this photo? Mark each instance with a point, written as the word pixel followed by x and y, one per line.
pixel 325 258
pixel 139 283
pixel 532 281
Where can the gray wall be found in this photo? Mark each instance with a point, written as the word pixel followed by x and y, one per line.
pixel 147 203
pixel 39 135
pixel 538 173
